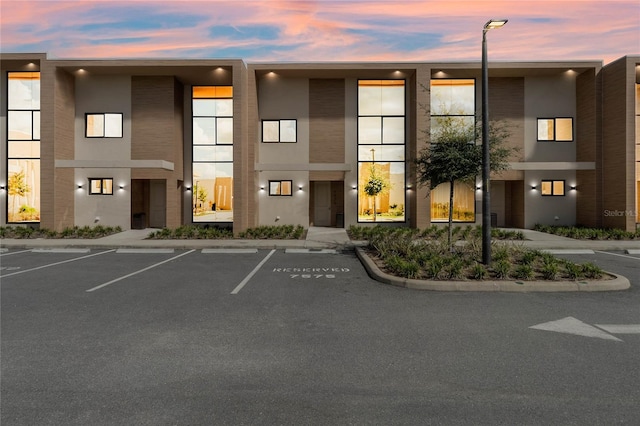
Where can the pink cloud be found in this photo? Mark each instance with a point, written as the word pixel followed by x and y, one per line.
pixel 327 30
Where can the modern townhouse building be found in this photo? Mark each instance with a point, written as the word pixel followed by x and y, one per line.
pixel 161 143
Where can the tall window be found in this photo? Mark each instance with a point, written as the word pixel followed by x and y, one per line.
pixel 453 106
pixel 212 153
pixel 381 150
pixel 638 152
pixel 23 150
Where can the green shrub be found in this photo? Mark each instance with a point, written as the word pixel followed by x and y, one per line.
pixel 402 267
pixel 502 268
pixel 528 257
pixel 500 252
pixel 479 272
pixel 503 234
pixel 454 267
pixel 434 268
pixel 550 271
pixel 573 270
pixel 592 271
pixel 584 233
pixel 523 272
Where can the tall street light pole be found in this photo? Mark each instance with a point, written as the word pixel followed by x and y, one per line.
pixel 486 167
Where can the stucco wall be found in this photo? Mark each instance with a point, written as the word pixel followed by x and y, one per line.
pixel 279 99
pixel 549 210
pixel 111 210
pixel 285 210
pixel 102 94
pixel 549 97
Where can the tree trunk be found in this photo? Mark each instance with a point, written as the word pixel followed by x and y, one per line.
pixel 374 207
pixel 450 236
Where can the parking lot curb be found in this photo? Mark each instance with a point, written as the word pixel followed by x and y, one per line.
pixel 618 282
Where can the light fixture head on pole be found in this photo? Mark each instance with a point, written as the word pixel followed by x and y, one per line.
pixel 495 23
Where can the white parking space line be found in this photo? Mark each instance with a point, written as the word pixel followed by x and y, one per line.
pixel 143 251
pixel 62 250
pixel 15 252
pixel 138 272
pixel 252 273
pixel 229 251
pixel 310 251
pixel 57 263
pixel 621 255
pixel 569 251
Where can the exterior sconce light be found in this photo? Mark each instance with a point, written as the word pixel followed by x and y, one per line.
pixel 121 186
pixel 572 187
pixel 478 187
pixel 79 186
pixel 2 187
pixel 354 187
pixel 533 187
pixel 262 188
pixel 300 188
pixel 188 188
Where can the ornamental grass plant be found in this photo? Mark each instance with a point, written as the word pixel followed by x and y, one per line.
pixel 425 254
pixel 88 232
pixel 584 233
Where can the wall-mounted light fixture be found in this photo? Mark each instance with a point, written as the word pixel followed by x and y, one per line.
pixel 121 186
pixel 188 188
pixel 572 187
pixel 300 188
pixel 533 187
pixel 2 187
pixel 478 187
pixel 79 186
pixel 261 187
pixel 354 187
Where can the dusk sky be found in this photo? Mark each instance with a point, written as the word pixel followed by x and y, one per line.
pixel 321 30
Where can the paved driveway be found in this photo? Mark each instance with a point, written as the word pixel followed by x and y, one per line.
pixel 269 337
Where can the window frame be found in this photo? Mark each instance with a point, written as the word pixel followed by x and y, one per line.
pixel 103 187
pixel 280 182
pixel 104 125
pixel 446 219
pixel 555 127
pixel 12 144
pixel 375 145
pixel 553 183
pixel 222 165
pixel 473 116
pixel 279 121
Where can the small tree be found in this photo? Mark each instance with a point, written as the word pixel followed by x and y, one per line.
pixel 201 194
pixel 455 154
pixel 17 187
pixel 376 185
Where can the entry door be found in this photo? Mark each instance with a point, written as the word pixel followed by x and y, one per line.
pixel 322 203
pixel 157 203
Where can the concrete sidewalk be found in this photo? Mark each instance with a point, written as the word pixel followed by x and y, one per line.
pixel 317 238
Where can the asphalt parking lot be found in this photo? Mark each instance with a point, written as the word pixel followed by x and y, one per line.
pixel 154 337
